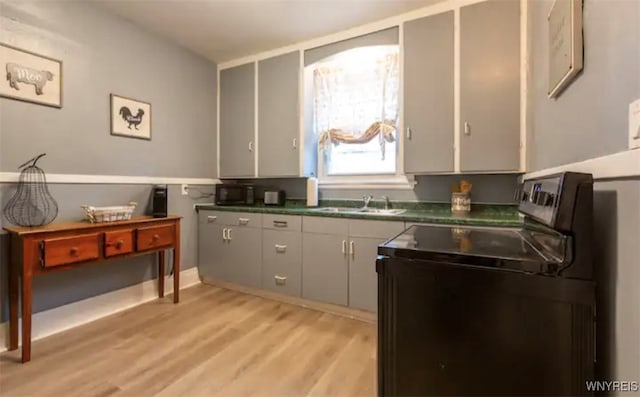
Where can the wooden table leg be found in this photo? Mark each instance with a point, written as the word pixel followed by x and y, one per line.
pixel 27 296
pixel 14 296
pixel 176 265
pixel 161 274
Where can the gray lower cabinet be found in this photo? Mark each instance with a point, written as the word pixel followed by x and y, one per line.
pixel 428 94
pixel 322 259
pixel 325 268
pixel 490 86
pixel 282 261
pixel 278 116
pixel 363 279
pixel 364 238
pixel 229 247
pixel 212 249
pixel 237 121
pixel 245 258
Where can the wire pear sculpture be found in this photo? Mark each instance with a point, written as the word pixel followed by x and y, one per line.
pixel 32 204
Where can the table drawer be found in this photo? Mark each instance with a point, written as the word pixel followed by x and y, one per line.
pixel 66 250
pixel 154 237
pixel 118 242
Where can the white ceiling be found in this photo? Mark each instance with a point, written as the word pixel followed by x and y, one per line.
pixel 222 30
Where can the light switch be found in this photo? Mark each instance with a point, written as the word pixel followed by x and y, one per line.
pixel 634 124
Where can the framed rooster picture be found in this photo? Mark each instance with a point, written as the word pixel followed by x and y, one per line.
pixel 130 117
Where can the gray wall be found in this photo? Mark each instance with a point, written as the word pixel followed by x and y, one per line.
pixel 617 227
pixel 105 54
pixel 590 118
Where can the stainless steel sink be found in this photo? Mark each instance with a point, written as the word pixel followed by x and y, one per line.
pixel 372 211
pixel 339 209
pixel 381 211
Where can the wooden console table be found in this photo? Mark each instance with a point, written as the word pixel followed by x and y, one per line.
pixel 63 246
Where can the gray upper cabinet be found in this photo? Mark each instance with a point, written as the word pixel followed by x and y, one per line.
pixel 278 116
pixel 237 121
pixel 428 94
pixel 490 86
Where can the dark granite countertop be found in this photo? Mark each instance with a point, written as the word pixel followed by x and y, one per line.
pixel 440 213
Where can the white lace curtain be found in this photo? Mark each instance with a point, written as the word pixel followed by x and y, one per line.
pixel 356 96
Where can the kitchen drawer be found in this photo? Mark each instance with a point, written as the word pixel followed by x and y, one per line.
pixel 317 224
pixel 282 261
pixel 154 237
pixel 118 242
pixel 281 246
pixel 65 250
pixel 229 218
pixel 282 222
pixel 379 229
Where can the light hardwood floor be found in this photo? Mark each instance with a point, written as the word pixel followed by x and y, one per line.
pixel 216 342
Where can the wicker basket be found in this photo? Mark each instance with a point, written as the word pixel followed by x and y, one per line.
pixel 109 214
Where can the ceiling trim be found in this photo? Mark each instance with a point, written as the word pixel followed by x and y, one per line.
pixel 360 30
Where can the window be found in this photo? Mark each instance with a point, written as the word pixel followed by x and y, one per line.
pixel 355 110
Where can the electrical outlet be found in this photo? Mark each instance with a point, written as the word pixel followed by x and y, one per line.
pixel 634 124
pixel 184 189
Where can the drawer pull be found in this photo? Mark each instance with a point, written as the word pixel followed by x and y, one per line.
pixel 281 248
pixel 211 218
pixel 243 221
pixel 280 280
pixel 280 223
pixel 73 251
pixel 118 244
pixel 156 237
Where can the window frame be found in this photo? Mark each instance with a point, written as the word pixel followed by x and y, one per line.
pixel 392 181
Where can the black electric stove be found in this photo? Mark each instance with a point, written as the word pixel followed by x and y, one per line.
pixel 492 311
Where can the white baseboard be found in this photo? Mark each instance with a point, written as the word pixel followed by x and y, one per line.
pixel 618 165
pixel 74 314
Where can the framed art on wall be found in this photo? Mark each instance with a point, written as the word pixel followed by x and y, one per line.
pixel 30 77
pixel 130 117
pixel 565 44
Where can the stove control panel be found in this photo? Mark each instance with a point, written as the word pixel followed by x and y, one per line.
pixel 551 200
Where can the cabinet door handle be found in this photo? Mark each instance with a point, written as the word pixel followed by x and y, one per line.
pixel 281 248
pixel 211 218
pixel 119 244
pixel 294 143
pixel 229 234
pixel 344 246
pixel 243 221
pixel 224 234
pixel 251 146
pixel 352 248
pixel 280 280
pixel 467 128
pixel 280 223
pixel 408 132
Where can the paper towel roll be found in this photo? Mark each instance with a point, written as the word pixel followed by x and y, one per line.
pixel 312 192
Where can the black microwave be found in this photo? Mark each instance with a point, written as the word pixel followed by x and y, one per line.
pixel 234 194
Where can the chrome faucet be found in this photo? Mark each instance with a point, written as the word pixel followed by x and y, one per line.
pixel 386 202
pixel 367 200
